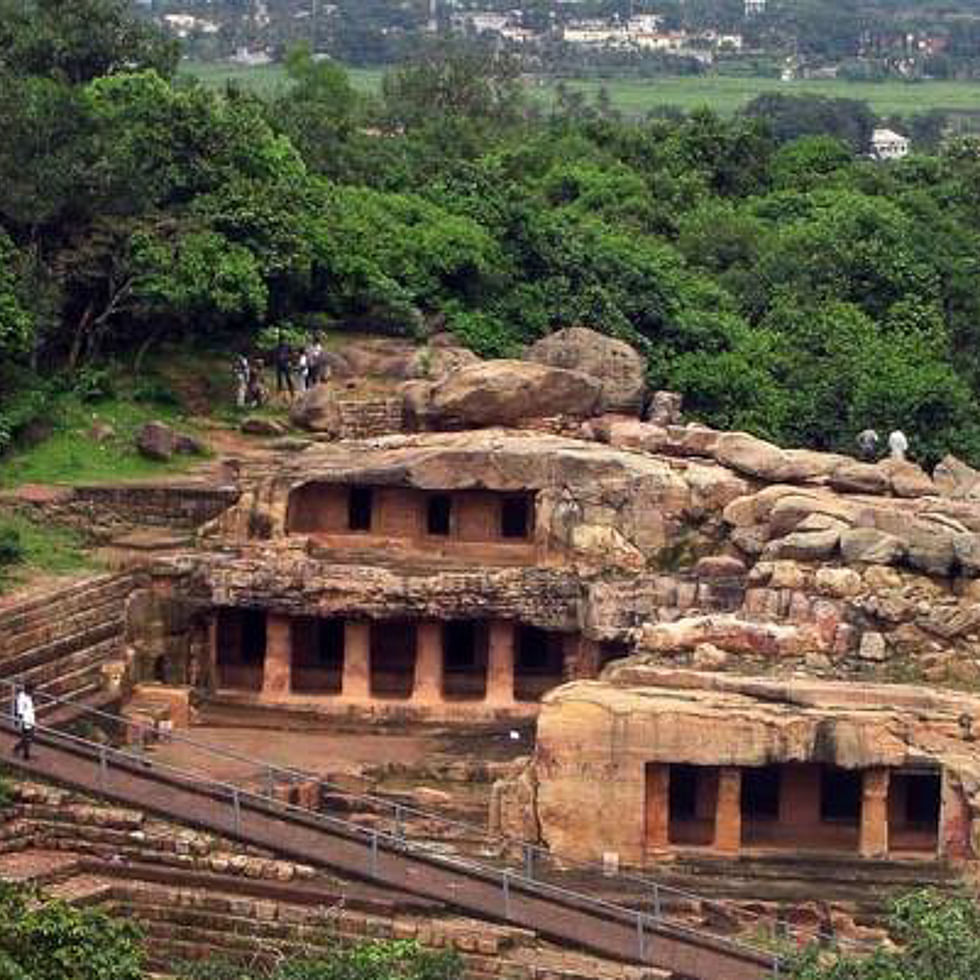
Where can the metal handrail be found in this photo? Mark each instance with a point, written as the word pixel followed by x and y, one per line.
pixel 508 877
pixel 531 851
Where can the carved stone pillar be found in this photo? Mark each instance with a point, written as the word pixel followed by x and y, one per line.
pixel 428 663
pixel 657 806
pixel 500 662
pixel 356 681
pixel 874 813
pixel 276 675
pixel 728 813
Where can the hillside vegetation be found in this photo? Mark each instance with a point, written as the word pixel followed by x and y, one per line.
pixel 782 282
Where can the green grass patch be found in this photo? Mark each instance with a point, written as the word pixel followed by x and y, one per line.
pixel 71 454
pixel 267 80
pixel 40 548
pixel 724 94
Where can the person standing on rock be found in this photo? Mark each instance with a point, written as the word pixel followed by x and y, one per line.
pixel 24 716
pixel 898 445
pixel 284 367
pixel 241 371
pixel 867 442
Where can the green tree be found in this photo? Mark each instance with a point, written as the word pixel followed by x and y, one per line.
pixel 52 940
pixel 938 936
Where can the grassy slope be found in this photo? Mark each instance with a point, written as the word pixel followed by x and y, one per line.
pixel 47 550
pixel 638 96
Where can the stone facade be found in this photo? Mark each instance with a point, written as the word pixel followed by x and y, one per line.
pixel 698 548
pixel 648 762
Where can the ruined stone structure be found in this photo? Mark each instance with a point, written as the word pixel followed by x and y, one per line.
pixel 650 762
pixel 465 576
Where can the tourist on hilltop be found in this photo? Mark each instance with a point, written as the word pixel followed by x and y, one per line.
pixel 303 370
pixel 24 716
pixel 242 372
pixel 256 395
pixel 318 363
pixel 284 368
pixel 898 445
pixel 867 443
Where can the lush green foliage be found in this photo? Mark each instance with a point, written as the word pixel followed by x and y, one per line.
pixel 778 279
pixel 388 960
pixel 52 940
pixel 939 939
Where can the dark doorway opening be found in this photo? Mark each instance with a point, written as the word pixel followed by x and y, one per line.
pixel 760 793
pixel 516 516
pixel 241 648
pixel 392 659
pixel 693 799
pixel 318 655
pixel 464 676
pixel 841 791
pixel 438 515
pixel 539 662
pixel 914 807
pixel 360 504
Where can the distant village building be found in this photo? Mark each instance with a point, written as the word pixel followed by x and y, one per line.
pixel 754 7
pixel 886 144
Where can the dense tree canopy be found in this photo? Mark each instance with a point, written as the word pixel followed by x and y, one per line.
pixel 779 279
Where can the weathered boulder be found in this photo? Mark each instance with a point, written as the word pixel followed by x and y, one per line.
pixel 870 546
pixel 255 425
pixel 854 477
pixel 727 632
pixel 665 408
pixel 907 479
pixel 750 455
pixel 397 359
pixel 316 411
pixel 954 478
pixel 929 549
pixel 720 566
pixel 506 392
pixel 619 368
pixel 804 546
pixel 156 440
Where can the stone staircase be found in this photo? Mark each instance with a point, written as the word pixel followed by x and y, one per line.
pixel 365 418
pixel 60 640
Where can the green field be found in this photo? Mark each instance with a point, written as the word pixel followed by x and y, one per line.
pixel 268 79
pixel 637 97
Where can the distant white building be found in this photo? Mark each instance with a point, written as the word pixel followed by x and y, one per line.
pixel 754 7
pixel 886 144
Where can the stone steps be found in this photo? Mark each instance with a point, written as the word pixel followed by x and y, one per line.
pixel 66 626
pixel 43 663
pixel 867 885
pixel 61 602
pixel 59 641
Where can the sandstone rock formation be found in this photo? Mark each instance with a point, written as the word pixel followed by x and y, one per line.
pixel 595 739
pixel 619 368
pixel 507 392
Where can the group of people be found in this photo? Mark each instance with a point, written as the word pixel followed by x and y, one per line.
pixel 308 364
pixel 867 443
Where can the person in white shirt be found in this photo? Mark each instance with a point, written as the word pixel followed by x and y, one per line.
pixel 898 445
pixel 24 714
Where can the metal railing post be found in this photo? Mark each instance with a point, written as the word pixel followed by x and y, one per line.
pixel 529 862
pixel 270 781
pixel 505 885
pixel 103 767
pixel 399 829
pixel 236 804
pixel 639 935
pixel 374 854
pixel 656 901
